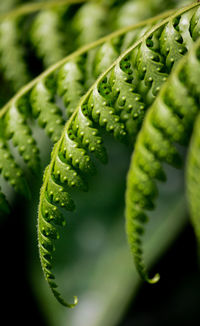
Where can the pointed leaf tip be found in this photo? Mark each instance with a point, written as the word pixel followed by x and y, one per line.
pixel 155 279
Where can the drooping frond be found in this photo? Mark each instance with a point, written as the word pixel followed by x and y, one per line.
pixel 168 121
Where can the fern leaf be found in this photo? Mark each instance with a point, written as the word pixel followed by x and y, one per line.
pixel 12 54
pixel 98 110
pixel 10 170
pixel 44 109
pixel 107 54
pixel 50 49
pixel 168 121
pixel 90 23
pixel 41 104
pixel 128 103
pixel 195 25
pixel 71 84
pixel 21 135
pixel 131 12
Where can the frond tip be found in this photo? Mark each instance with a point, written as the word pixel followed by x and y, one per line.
pixel 64 303
pixel 155 279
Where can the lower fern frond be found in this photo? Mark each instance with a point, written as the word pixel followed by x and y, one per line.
pixel 168 121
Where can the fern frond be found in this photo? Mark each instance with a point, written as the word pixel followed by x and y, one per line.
pixel 107 54
pixel 76 58
pixel 38 100
pixel 114 104
pixel 11 171
pixel 20 133
pixel 131 12
pixel 9 168
pixel 46 111
pixel 49 22
pixel 50 49
pixel 71 83
pixel 12 54
pixel 104 107
pixel 168 121
pixel 90 23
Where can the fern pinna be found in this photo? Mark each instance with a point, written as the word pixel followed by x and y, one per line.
pixel 116 103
